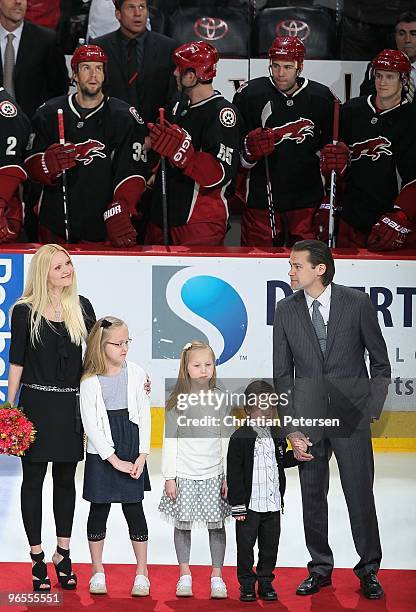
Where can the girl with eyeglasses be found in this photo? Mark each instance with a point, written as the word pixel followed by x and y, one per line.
pixel 115 411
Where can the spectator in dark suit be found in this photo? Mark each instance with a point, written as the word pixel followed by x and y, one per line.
pixel 33 67
pixel 405 37
pixel 140 67
pixel 366 26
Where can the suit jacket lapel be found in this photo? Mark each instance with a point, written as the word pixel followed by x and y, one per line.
pixel 150 49
pixel 25 48
pixel 117 52
pixel 303 314
pixel 335 311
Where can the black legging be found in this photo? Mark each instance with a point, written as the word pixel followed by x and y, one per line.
pixel 63 475
pixel 136 521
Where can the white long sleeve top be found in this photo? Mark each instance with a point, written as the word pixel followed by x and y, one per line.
pixel 94 414
pixel 197 452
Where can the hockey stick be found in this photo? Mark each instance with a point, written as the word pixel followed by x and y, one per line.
pixel 164 190
pixel 265 114
pixel 64 181
pixel 333 186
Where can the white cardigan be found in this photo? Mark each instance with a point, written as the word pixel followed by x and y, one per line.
pixel 94 414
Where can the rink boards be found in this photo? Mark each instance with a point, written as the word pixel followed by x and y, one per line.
pixel 170 299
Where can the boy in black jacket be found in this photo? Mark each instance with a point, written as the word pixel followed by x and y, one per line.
pixel 256 484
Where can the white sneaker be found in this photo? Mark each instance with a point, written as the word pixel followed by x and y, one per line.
pixel 97 584
pixel 184 586
pixel 218 588
pixel 141 586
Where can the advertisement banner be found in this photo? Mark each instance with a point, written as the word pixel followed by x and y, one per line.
pixel 229 302
pixel 11 287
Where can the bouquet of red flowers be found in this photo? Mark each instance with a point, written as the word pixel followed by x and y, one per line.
pixel 16 431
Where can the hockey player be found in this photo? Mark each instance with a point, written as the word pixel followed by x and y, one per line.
pixel 290 136
pixel 201 147
pixel 380 132
pixel 103 158
pixel 14 134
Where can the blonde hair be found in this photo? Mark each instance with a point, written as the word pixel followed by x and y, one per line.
pixel 35 295
pixel 183 383
pixel 95 361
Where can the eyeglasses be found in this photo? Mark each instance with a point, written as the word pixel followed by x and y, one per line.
pixel 122 343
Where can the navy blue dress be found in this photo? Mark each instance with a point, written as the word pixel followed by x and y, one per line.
pixel 102 482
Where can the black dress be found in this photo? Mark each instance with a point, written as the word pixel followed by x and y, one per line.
pixel 54 361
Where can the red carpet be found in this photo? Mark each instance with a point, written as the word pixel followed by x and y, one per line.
pixel 399 586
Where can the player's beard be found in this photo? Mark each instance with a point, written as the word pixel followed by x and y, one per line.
pixel 90 93
pixel 289 89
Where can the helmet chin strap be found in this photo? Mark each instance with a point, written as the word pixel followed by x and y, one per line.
pixel 298 71
pixel 404 79
pixel 186 88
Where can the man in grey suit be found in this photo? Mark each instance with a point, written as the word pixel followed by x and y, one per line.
pixel 33 67
pixel 320 336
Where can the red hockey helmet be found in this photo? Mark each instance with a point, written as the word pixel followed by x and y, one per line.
pixel 287 47
pixel 88 53
pixel 200 56
pixel 392 60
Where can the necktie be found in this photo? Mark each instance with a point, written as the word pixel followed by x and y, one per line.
pixel 132 72
pixel 140 53
pixel 319 325
pixel 411 90
pixel 8 65
pixel 132 61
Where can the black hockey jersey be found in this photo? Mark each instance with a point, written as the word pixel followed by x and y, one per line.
pixel 14 135
pixel 214 127
pixel 382 147
pixel 110 159
pixel 303 125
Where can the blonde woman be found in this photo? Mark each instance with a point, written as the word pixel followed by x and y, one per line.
pixel 115 411
pixel 49 323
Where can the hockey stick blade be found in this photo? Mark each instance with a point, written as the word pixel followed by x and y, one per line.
pixel 265 113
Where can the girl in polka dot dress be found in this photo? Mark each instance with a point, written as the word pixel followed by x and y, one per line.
pixel 193 465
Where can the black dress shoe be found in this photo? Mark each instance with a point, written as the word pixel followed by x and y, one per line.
pixel 312 584
pixel 370 586
pixel 266 592
pixel 247 594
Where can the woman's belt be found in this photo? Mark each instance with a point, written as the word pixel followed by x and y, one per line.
pixel 51 388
